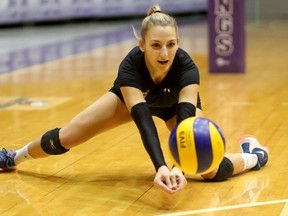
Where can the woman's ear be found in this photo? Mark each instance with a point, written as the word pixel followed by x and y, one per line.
pixel 141 44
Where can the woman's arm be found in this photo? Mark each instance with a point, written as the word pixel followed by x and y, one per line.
pixel 141 115
pixel 187 102
pixel 189 94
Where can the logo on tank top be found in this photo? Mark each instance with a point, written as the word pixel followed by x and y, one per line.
pixel 167 90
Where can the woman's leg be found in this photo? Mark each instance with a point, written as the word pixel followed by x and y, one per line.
pixel 105 113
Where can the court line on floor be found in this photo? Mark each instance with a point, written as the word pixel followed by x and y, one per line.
pixel 230 207
pixel 285 210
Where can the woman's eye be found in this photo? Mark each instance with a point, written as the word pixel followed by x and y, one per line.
pixel 171 44
pixel 156 45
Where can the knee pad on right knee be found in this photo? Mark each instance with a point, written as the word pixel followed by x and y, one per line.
pixel 224 172
pixel 50 143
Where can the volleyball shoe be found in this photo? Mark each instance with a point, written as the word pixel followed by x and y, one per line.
pixel 7 159
pixel 249 144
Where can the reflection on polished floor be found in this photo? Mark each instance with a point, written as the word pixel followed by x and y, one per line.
pixel 111 174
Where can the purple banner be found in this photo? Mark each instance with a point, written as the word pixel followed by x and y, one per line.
pixel 226 36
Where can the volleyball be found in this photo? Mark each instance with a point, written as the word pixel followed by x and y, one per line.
pixel 196 145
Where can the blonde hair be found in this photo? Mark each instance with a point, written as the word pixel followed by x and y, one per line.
pixel 155 18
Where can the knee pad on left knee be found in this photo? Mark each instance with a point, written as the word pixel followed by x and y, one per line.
pixel 51 144
pixel 224 172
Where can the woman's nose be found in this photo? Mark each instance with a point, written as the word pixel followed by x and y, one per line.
pixel 164 52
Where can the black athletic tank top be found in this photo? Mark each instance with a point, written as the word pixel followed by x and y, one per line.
pixel 134 73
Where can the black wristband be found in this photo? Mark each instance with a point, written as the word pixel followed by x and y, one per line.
pixel 185 110
pixel 142 117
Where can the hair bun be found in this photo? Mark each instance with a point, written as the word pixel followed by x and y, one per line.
pixel 154 9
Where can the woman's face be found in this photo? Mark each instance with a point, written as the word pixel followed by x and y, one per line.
pixel 159 47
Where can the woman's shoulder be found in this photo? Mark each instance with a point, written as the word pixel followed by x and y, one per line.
pixel 134 53
pixel 182 53
pixel 133 57
pixel 183 57
pixel 134 62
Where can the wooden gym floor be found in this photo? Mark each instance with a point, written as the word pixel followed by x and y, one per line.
pixel 111 174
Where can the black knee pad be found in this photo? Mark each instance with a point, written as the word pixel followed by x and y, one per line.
pixel 50 143
pixel 224 172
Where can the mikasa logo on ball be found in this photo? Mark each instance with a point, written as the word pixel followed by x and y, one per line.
pixel 182 139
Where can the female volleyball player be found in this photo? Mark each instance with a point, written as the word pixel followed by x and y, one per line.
pixel 156 78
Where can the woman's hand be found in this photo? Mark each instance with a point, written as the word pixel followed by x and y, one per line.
pixel 178 175
pixel 170 181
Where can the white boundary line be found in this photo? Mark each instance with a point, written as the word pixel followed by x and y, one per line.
pixel 284 211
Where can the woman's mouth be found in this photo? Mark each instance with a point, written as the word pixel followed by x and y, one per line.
pixel 163 62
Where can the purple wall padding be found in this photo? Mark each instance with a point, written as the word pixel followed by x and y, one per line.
pixel 226 36
pixel 19 11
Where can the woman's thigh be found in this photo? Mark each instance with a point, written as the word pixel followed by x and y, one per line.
pixel 105 113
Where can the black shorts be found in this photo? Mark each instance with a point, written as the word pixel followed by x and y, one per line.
pixel 164 113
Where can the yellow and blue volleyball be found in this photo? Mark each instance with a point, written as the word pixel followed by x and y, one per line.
pixel 196 145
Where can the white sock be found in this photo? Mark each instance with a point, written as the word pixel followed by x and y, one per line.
pixel 250 160
pixel 22 155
